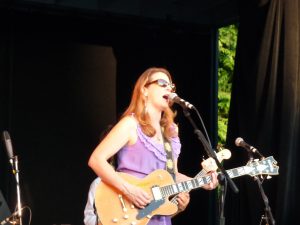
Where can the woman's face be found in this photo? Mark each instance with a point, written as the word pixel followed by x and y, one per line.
pixel 158 89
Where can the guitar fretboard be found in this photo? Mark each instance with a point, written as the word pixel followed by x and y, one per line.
pixel 262 167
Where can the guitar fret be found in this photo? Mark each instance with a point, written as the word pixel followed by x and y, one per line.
pixel 192 185
pixel 195 182
pixel 189 184
pixel 163 191
pixel 241 170
pixel 208 179
pixel 236 172
pixel 168 190
pixel 230 173
pixel 171 190
pixel 180 187
pixel 200 181
pixel 175 190
pixel 184 185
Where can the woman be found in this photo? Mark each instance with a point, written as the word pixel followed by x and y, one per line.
pixel 137 139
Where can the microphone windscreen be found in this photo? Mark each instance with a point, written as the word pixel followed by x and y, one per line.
pixel 8 144
pixel 172 96
pixel 238 141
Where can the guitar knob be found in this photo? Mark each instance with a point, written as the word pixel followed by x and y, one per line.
pixel 115 220
pixel 133 223
pixel 126 217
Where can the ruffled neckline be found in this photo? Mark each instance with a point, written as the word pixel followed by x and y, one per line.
pixel 158 148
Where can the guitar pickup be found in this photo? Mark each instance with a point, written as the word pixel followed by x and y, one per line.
pixel 156 193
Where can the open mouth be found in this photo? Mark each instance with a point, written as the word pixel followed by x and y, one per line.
pixel 166 97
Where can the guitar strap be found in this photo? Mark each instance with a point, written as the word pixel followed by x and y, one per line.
pixel 170 160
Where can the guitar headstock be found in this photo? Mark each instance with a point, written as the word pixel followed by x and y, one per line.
pixel 266 166
pixel 223 154
pixel 210 164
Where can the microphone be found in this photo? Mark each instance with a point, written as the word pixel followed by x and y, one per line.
pixel 241 143
pixel 174 98
pixel 8 145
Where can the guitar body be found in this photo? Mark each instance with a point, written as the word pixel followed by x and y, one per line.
pixel 114 208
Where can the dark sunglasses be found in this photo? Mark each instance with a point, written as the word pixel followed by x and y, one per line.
pixel 163 83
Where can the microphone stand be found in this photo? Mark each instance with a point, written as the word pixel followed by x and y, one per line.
pixel 268 214
pixel 15 169
pixel 211 153
pixel 223 184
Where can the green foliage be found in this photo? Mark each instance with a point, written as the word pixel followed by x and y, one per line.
pixel 227 48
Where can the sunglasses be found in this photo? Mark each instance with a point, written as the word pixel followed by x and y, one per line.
pixel 163 83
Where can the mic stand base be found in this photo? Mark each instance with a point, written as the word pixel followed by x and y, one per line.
pixel 264 220
pixel 11 220
pixel 268 217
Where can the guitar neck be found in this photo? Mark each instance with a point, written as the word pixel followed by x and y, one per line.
pixel 200 181
pixel 265 166
pixel 200 174
pixel 223 154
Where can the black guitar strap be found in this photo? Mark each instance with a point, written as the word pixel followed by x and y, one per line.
pixel 170 160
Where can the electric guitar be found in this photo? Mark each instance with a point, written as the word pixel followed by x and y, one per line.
pixel 114 208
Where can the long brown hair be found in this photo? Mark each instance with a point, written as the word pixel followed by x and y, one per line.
pixel 137 106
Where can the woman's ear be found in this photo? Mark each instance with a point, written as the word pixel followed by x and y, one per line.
pixel 145 91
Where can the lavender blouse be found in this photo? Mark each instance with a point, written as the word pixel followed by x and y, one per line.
pixel 142 158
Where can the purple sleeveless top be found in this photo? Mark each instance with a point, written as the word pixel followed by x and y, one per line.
pixel 142 158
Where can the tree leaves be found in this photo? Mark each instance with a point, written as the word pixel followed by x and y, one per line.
pixel 227 49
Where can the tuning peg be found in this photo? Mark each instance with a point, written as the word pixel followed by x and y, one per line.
pixel 269 177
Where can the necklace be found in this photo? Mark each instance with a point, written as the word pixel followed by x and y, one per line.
pixel 158 138
pixel 158 135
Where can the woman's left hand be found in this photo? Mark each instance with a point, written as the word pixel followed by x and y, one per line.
pixel 214 181
pixel 183 200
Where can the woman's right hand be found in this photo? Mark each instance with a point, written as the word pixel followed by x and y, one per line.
pixel 137 195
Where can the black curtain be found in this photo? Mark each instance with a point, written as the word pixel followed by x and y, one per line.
pixel 265 108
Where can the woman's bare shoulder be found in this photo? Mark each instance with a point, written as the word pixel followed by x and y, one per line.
pixel 129 122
